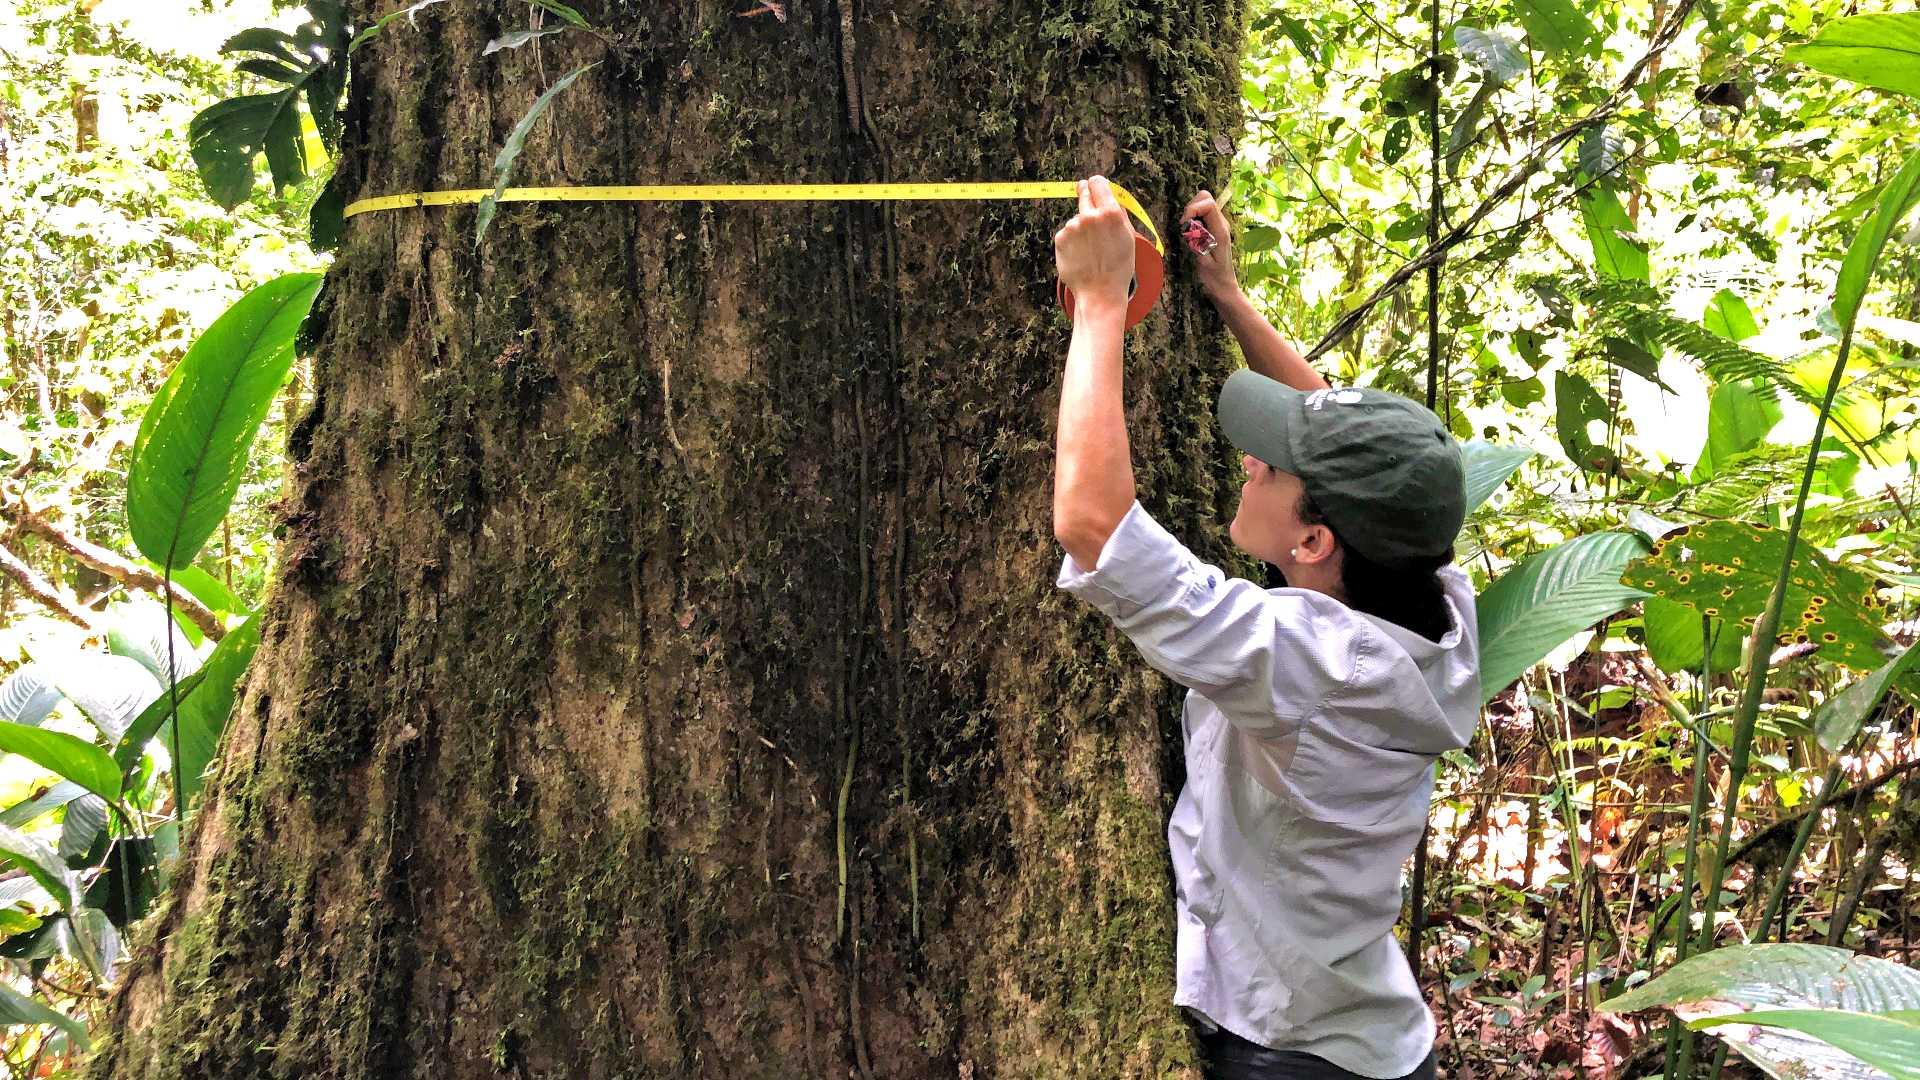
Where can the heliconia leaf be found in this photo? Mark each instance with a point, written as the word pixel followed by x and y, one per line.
pixel 85 820
pixel 133 742
pixel 1535 607
pixel 1487 467
pixel 70 758
pixel 192 445
pixel 1863 254
pixel 504 161
pixel 1880 50
pixel 28 696
pixel 25 812
pixel 1736 979
pixel 1740 415
pixel 140 630
pixel 1836 720
pixel 109 690
pixel 1889 1042
pixel 40 862
pixel 18 1008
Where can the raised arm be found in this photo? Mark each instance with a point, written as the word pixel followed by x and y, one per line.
pixel 1267 352
pixel 1093 464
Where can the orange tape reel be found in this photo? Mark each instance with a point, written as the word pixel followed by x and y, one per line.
pixel 1149 274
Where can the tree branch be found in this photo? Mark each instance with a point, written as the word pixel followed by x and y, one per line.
pixel 1436 252
pixel 38 587
pixel 113 565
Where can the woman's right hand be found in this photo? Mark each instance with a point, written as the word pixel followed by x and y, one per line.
pixel 1214 269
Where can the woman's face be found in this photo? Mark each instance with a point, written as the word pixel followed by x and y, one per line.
pixel 1268 523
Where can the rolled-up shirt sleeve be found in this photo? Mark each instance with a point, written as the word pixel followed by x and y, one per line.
pixel 1267 659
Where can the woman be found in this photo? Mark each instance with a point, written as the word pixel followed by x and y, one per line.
pixel 1315 711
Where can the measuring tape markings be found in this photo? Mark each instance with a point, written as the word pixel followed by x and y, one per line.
pixel 1149 272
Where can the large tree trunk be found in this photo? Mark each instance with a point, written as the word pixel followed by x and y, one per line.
pixel 664 675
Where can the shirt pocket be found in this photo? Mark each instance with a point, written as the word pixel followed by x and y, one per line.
pixel 1350 783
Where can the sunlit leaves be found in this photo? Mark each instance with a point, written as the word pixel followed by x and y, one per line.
pixel 1502 59
pixel 1554 26
pixel 1842 714
pixel 1535 607
pixel 1617 251
pixel 1879 50
pixel 228 135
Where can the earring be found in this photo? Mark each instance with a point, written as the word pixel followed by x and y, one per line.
pixel 1293 553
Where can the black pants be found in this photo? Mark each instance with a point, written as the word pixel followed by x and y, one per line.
pixel 1230 1057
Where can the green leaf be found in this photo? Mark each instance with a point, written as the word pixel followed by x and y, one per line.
pixel 1627 353
pixel 18 1008
pixel 28 696
pixel 1674 640
pixel 1536 606
pixel 1523 392
pixel 109 690
pixel 40 862
pixel 570 15
pixel 1467 125
pixel 1737 978
pixel 140 631
pixel 1889 1042
pixel 1408 92
pixel 1740 415
pixel 134 742
pixel 1577 404
pixel 85 819
pixel 25 812
pixel 203 714
pixel 1256 238
pixel 1863 255
pixel 60 753
pixel 1494 53
pixel 1602 150
pixel 1728 316
pixel 1726 569
pixel 1487 467
pixel 1554 25
pixel 517 38
pixel 15 921
pixel 1881 51
pixel 516 141
pixel 1836 720
pixel 192 445
pixel 226 136
pixel 1399 137
pixel 381 23
pixel 131 867
pixel 1609 230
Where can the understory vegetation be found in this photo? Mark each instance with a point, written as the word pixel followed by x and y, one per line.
pixel 1655 263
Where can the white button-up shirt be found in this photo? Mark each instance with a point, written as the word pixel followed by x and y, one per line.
pixel 1311 732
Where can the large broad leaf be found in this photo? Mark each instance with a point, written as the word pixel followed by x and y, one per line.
pixel 1740 415
pixel 130 880
pixel 133 743
pixel 140 630
pixel 1876 50
pixel 85 820
pixel 1492 52
pixel 1675 641
pixel 26 811
pixel 510 152
pixel 1729 316
pixel 1835 721
pixel 1726 569
pixel 203 714
pixel 1554 25
pixel 28 696
pixel 1889 1042
pixel 193 442
pixel 1616 252
pixel 110 690
pixel 1856 270
pixel 18 1008
pixel 1487 466
pixel 40 862
pixel 1536 606
pixel 1742 978
pixel 73 759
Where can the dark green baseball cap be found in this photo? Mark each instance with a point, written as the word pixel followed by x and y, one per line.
pixel 1384 470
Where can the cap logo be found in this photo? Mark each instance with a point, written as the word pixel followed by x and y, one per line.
pixel 1338 397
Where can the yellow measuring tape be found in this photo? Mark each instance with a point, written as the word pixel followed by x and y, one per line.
pixel 1149 273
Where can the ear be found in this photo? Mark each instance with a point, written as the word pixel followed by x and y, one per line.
pixel 1316 545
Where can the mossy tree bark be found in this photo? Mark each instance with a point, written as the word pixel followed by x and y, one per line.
pixel 664 674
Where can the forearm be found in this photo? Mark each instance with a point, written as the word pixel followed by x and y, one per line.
pixel 1267 352
pixel 1093 463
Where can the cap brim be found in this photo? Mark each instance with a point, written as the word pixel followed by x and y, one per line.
pixel 1255 413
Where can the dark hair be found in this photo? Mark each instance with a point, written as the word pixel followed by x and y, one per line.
pixel 1407 596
